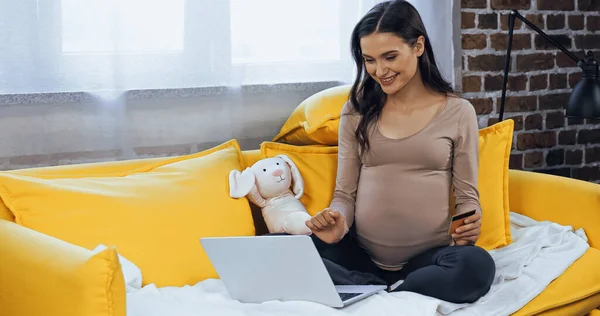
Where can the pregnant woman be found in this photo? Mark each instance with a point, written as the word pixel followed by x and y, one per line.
pixel 404 140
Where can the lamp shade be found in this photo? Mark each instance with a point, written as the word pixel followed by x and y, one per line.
pixel 584 101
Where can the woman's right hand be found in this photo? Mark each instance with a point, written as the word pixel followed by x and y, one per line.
pixel 328 225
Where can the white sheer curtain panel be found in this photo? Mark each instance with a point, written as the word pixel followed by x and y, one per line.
pixel 120 45
pixel 90 45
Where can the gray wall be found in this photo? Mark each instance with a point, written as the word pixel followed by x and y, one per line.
pixel 61 129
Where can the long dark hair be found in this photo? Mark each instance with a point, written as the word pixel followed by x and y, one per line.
pixel 402 19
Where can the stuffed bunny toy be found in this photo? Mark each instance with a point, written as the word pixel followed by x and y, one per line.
pixel 267 184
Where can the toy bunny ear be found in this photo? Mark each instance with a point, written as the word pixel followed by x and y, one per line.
pixel 298 181
pixel 241 183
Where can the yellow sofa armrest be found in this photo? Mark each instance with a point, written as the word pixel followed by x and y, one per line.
pixel 42 275
pixel 558 199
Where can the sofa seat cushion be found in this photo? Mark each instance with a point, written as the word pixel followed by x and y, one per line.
pixel 154 215
pixel 573 292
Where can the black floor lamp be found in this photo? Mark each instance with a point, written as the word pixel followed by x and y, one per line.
pixel 584 101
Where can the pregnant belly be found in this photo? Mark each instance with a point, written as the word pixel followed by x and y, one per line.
pixel 404 218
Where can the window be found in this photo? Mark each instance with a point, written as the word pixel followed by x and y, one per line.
pixel 113 26
pixel 74 45
pixel 283 31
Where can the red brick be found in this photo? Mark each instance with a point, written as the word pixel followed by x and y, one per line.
pixel 589 5
pixel 515 83
pixel 567 137
pixel 518 122
pixel 517 119
pixel 592 154
pixel 555 120
pixel 555 21
pixel 562 60
pixel 467 20
pixel 515 161
pixel 519 104
pixel 576 22
pixel 537 61
pixel 562 172
pixel 538 82
pixel 534 121
pixel 533 159
pixel 537 20
pixel 473 4
pixel 535 140
pixel 593 23
pixel 574 157
pixel 482 105
pixel 471 83
pixel 492 121
pixel 558 81
pixel 499 41
pixel 542 43
pixel 510 4
pixel 558 5
pixel 474 41
pixel 486 63
pixel 488 21
pixel 589 41
pixel 555 157
pixel 588 136
pixel 504 22
pixel 589 173
pixel 554 101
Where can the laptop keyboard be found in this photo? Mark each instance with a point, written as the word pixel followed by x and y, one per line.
pixel 347 296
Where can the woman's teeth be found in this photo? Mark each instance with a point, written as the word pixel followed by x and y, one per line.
pixel 390 79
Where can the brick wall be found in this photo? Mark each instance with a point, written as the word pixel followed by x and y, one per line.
pixel 540 80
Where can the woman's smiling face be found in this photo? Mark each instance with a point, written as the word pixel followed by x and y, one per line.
pixel 389 60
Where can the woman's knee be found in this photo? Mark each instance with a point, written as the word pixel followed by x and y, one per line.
pixel 476 268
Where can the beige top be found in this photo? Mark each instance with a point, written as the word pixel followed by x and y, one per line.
pixel 398 193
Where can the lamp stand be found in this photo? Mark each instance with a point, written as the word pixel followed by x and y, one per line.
pixel 589 87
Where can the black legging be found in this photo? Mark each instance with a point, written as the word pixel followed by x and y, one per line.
pixel 458 274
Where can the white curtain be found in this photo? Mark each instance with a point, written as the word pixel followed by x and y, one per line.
pixel 107 48
pixel 96 45
pixel 91 45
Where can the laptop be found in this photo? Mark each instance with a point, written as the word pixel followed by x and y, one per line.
pixel 255 269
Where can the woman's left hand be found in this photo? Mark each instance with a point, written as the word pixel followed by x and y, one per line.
pixel 468 233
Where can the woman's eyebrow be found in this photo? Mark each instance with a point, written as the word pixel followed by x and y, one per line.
pixel 383 54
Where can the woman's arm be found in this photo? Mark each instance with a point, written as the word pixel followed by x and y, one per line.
pixel 466 161
pixel 349 164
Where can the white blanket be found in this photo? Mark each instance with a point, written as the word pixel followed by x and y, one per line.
pixel 541 252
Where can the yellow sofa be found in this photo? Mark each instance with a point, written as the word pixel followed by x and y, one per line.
pixel 44 275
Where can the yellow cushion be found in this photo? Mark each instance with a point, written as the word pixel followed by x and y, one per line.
pixel 105 168
pixel 495 143
pixel 154 215
pixel 41 275
pixel 318 167
pixel 595 312
pixel 579 282
pixel 316 119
